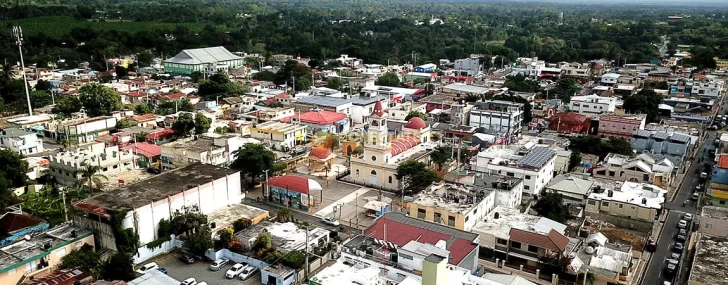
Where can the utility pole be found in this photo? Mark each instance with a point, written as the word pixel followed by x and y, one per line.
pixel 18 33
pixel 305 274
pixel 65 212
pixel 265 191
pixel 356 209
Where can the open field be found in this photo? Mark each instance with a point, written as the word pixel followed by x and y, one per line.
pixel 60 25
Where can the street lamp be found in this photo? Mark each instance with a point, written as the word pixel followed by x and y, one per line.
pixel 18 33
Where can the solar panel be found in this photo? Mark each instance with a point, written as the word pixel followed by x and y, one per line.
pixel 537 157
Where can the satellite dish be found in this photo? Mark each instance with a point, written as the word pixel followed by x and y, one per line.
pixel 27 237
pixel 567 143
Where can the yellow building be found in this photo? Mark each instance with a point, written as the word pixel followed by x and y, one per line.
pixel 278 134
pixel 383 152
pixel 721 63
pixel 639 201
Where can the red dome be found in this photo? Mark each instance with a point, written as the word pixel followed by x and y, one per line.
pixel 416 123
pixel 320 152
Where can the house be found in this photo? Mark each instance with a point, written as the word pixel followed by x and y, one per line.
pixel 37 167
pixel 140 206
pixel 393 94
pixel 401 229
pixel 400 111
pixel 468 66
pixel 383 152
pixel 207 60
pixel 65 165
pixel 718 190
pixel 278 134
pixel 425 68
pixel 592 104
pixel 348 61
pixel 573 189
pixel 318 120
pixel 293 191
pixel 146 121
pixel 460 88
pixel 332 104
pixel 575 69
pixel 286 237
pixel 501 118
pixel 569 122
pixel 147 153
pixel 634 200
pixel 609 263
pixel 609 79
pixel 41 253
pixel 508 190
pixel 183 152
pixel 21 141
pixel 266 114
pixel 714 221
pixel 535 166
pixel 461 206
pixel 620 126
pixel 641 168
pixel 674 146
pixel 81 130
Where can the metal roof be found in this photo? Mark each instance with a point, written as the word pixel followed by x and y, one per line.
pixel 323 101
pixel 203 56
pixel 680 137
pixel 537 157
pixel 660 135
pixel 643 133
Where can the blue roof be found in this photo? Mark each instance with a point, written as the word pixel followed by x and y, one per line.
pixel 537 158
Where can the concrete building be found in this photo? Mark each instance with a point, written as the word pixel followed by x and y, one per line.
pixel 206 60
pixel 502 118
pixel 318 120
pixel 534 165
pixel 634 200
pixel 463 89
pixel 468 66
pixel 508 190
pixel 718 190
pixel 64 166
pixel 286 237
pixel 279 134
pixel 21 141
pixel 42 253
pixel 615 126
pixel 575 69
pixel 592 104
pixel 698 89
pixel 674 146
pixel 81 130
pixel 399 112
pixel 641 168
pixel 461 206
pixel 709 260
pixel 714 221
pixel 610 263
pixel 573 189
pixel 142 205
pixel 183 152
pixel 609 79
pixel 383 152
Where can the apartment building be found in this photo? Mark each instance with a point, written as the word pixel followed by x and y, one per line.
pixel 64 166
pixel 714 221
pixel 279 134
pixel 535 166
pixel 203 150
pixel 502 118
pixel 468 66
pixel 592 104
pixel 21 141
pixel 641 168
pixel 674 146
pixel 633 200
pixel 616 126
pixel 81 130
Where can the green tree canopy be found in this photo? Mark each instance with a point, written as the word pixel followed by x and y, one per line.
pixel 144 59
pixel 119 266
pixel 184 124
pixel 565 89
pixel 551 205
pixel 84 258
pixel 415 176
pixel 67 105
pixel 125 123
pixel 99 100
pixel 600 147
pixel 202 124
pixel 335 83
pixel 413 114
pixel 388 79
pixel 294 69
pixel 12 174
pixel 646 101
pixel 253 159
pixel 441 155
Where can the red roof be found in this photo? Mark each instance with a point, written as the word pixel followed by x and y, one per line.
pixel 11 222
pixel 416 123
pixel 174 96
pixel 91 208
pixel 402 144
pixel 160 134
pixel 553 241
pixel 320 117
pixel 402 229
pixel 145 117
pixel 136 94
pixel 568 117
pixel 320 152
pixel 61 277
pixel 723 161
pixel 294 183
pixel 378 110
pixel 146 149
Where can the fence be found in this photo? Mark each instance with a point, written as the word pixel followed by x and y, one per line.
pixel 235 257
pixel 144 253
pixel 313 265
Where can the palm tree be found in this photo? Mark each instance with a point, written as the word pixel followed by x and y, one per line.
pixel 6 75
pixel 89 176
pixel 284 215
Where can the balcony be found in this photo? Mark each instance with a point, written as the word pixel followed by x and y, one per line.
pixel 524 252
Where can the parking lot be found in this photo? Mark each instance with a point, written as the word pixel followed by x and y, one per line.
pixel 199 270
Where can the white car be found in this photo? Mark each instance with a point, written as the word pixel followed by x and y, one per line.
pixel 330 221
pixel 189 281
pixel 248 272
pixel 217 264
pixel 682 224
pixel 234 271
pixel 688 217
pixel 147 267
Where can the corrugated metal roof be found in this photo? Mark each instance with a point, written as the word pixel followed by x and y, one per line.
pixel 660 135
pixel 643 133
pixel 203 56
pixel 680 137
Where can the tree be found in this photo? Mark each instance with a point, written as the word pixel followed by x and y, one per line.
pixel 144 59
pixel 121 72
pixel 415 176
pixel 90 177
pixel 551 205
pixel 413 114
pixel 119 266
pixel 253 159
pixel 12 174
pixel 429 89
pixel 441 155
pixel 241 224
pixel 388 79
pixel 597 146
pixel 195 76
pixel 143 108
pixel 202 124
pixel 263 241
pixel 574 160
pixel 7 75
pixel 284 215
pixel 331 141
pixel 67 105
pixel 43 85
pixel 99 100
pixel 225 237
pixel 125 123
pixel 294 69
pixel 470 98
pixel 646 101
pixel 334 83
pixel 565 89
pixel 184 124
pixel 84 258
pixel 294 259
pixel 521 83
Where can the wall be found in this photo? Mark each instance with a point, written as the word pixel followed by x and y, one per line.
pixel 620 174
pixel 103 234
pixel 53 258
pixel 629 211
pixel 235 257
pixel 144 253
pixel 622 222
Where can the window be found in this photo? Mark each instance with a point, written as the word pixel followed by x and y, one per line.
pixel 611 173
pixel 374 158
pixel 532 248
pixel 357 173
pixel 61 252
pixel 620 206
pixel 515 244
pixel 437 218
pixel 404 256
pixel 502 241
pixel 721 202
pixel 526 187
pixel 528 177
pixel 592 202
pixel 467 218
pixel 421 213
pixel 605 204
pixel 390 179
pixel 451 221
pixel 510 174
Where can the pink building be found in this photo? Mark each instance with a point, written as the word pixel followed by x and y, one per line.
pixel 620 126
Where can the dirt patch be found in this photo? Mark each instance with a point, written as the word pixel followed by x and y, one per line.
pixel 617 235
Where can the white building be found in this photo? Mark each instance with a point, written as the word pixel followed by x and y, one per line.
pixel 468 66
pixel 497 224
pixel 592 104
pixel 709 89
pixel 21 141
pixel 186 151
pixel 534 165
pixel 399 112
pixel 287 237
pixel 81 130
pixel 501 118
pixel 609 79
pixel 147 202
pixel 64 166
pixel 633 200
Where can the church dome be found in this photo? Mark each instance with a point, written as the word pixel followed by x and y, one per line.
pixel 416 123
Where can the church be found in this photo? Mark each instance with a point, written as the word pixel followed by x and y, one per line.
pixel 383 152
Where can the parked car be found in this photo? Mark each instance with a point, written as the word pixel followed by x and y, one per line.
pixel 330 221
pixel 687 217
pixel 248 271
pixel 162 269
pixel 234 271
pixel 682 232
pixel 651 245
pixel 218 264
pixel 670 268
pixel 695 196
pixel 680 238
pixel 202 283
pixel 682 224
pixel 678 247
pixel 675 256
pixel 147 267
pixel 186 258
pixel 189 281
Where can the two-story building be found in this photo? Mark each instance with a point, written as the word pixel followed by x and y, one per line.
pixel 573 189
pixel 21 141
pixel 714 221
pixel 569 123
pixel 592 104
pixel 609 263
pixel 65 166
pixel 183 152
pixel 641 168
pixel 535 166
pixel 318 120
pixel 675 146
pixel 279 134
pixel 616 126
pixel 634 200
pixel 502 118
pixel 718 190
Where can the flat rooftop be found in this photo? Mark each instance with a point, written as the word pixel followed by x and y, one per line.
pixel 276 126
pixel 154 277
pixel 634 193
pixel 155 188
pixel 710 261
pixel 196 145
pixel 40 243
pixel 227 215
pixel 715 212
pixel 343 274
pixel 452 197
pixel 286 236
pixel 501 219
